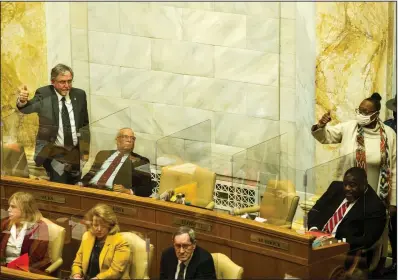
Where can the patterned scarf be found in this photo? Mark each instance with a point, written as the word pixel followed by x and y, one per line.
pixel 385 172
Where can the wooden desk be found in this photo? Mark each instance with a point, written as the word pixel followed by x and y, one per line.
pixel 264 251
pixel 12 274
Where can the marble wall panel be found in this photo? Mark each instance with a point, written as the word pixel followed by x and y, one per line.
pixel 171 119
pixel 105 80
pixel 81 78
pixel 214 28
pixel 109 113
pixel 288 35
pixel 58 34
pixel 154 21
pixel 78 15
pixel 79 44
pixel 145 145
pixel 103 16
pixel 288 10
pixel 182 57
pixel 262 34
pixel 266 9
pixel 242 131
pixel 288 104
pixel 305 84
pixel 246 66
pixel 119 50
pixel 262 101
pixel 208 6
pixel 152 86
pixel 214 94
pixel 23 62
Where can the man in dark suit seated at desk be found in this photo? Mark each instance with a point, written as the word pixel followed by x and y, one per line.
pixel 186 260
pixel 350 209
pixel 121 170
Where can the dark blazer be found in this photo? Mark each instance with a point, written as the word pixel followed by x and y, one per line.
pixel 36 246
pixel 362 226
pixel 45 104
pixel 139 180
pixel 201 265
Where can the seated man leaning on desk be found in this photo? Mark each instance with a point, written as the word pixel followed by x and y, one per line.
pixel 121 170
pixel 350 209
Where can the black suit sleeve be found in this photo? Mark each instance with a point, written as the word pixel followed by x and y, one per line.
pixel 142 183
pixel 85 137
pixel 374 224
pixel 316 214
pixel 206 269
pixel 163 267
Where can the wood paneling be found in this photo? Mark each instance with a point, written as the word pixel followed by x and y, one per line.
pixel 262 250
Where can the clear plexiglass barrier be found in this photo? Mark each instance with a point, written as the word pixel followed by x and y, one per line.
pixel 184 160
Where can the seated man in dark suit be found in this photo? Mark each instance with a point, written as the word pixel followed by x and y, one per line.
pixel 350 209
pixel 121 170
pixel 186 260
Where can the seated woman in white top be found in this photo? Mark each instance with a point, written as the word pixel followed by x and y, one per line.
pixel 23 232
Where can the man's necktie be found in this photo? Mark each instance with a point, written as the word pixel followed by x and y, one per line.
pixel 104 178
pixel 336 218
pixel 68 140
pixel 181 272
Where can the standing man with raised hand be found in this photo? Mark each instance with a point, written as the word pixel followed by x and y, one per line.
pixel 62 111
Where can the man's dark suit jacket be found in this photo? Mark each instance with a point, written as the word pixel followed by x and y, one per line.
pixel 139 180
pixel 201 265
pixel 362 226
pixel 45 103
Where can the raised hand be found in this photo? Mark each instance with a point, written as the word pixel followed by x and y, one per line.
pixel 23 94
pixel 324 120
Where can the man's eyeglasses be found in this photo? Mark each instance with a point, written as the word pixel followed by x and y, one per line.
pixel 69 82
pixel 365 113
pixel 126 137
pixel 183 246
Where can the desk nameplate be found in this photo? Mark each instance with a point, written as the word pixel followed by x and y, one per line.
pixel 192 224
pixel 125 211
pixel 265 240
pixel 50 198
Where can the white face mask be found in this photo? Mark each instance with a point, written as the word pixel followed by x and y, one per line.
pixel 363 120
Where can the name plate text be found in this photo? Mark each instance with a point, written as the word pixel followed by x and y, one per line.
pixel 265 240
pixel 125 210
pixel 192 224
pixel 50 198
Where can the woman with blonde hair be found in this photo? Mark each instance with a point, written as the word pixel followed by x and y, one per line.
pixel 23 232
pixel 103 252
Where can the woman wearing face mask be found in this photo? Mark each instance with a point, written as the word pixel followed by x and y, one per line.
pixel 103 252
pixel 374 146
pixel 372 142
pixel 23 231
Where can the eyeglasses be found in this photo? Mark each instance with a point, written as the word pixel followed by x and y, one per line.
pixel 126 137
pixel 183 246
pixel 69 82
pixel 359 111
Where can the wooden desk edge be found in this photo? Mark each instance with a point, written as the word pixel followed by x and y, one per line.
pixel 151 203
pixel 13 273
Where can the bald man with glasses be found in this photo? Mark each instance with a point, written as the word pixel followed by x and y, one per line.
pixel 121 170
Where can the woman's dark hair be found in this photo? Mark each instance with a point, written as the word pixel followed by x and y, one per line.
pixel 375 99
